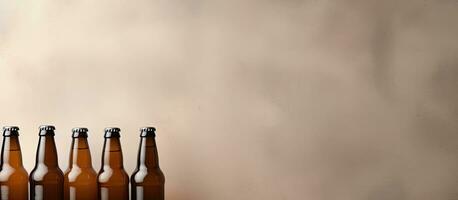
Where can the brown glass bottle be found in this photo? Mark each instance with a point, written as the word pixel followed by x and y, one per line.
pixel 13 176
pixel 80 179
pixel 147 181
pixel 46 178
pixel 113 181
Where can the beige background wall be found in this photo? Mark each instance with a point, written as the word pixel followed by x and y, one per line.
pixel 316 100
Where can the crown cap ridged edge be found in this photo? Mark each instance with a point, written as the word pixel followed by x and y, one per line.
pixel 10 128
pixel 79 132
pixel 112 132
pixel 112 129
pixel 147 131
pixel 47 128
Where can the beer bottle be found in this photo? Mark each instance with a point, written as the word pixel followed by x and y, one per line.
pixel 147 181
pixel 13 177
pixel 46 179
pixel 80 181
pixel 113 181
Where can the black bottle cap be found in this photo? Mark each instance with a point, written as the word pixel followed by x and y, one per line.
pixel 112 132
pixel 147 131
pixel 47 130
pixel 10 131
pixel 79 132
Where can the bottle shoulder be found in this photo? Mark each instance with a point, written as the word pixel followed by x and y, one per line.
pixel 107 174
pixel 46 169
pixel 8 169
pixel 146 170
pixel 86 170
pixel 40 173
pixel 154 175
pixel 80 174
pixel 16 174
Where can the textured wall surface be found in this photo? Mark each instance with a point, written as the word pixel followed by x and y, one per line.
pixel 315 100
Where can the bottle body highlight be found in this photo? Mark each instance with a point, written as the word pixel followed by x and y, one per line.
pixel 80 179
pixel 46 179
pixel 13 176
pixel 147 181
pixel 112 179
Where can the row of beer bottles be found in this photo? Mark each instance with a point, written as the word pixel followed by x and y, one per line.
pixel 80 181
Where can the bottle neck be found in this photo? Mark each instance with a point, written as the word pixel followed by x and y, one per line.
pixel 147 153
pixel 11 152
pixel 112 153
pixel 47 153
pixel 80 155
